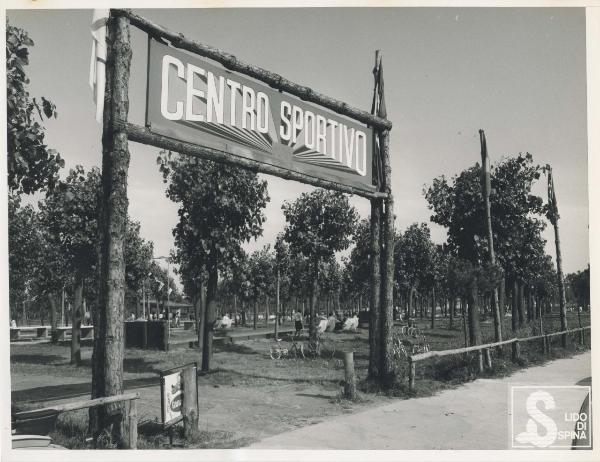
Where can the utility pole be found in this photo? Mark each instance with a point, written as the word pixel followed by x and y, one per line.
pixel 553 217
pixel 486 188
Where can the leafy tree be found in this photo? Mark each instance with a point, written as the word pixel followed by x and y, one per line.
pixel 24 245
pixel 414 255
pixel 70 213
pixel 31 164
pixel 220 208
pixel 457 205
pixel 319 224
pixel 138 262
pixel 358 266
pixel 261 276
pixel 579 285
pixel 282 273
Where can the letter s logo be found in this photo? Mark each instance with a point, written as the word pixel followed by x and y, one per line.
pixel 531 435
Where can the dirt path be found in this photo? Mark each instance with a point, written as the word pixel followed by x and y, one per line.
pixel 473 416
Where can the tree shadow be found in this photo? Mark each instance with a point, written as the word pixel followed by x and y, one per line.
pixel 73 390
pixel 311 380
pixel 234 348
pixel 315 395
pixel 53 360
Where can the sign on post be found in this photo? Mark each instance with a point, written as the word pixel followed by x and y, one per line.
pixel 172 392
pixel 192 100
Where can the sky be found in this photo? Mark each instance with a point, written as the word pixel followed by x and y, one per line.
pixel 517 73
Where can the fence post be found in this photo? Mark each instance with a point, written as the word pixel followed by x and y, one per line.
pixel 480 360
pixel 350 378
pixel 516 350
pixel 132 421
pixel 190 402
pixel 411 374
pixel 582 336
pixel 488 358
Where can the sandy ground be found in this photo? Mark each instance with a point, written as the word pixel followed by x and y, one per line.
pixel 473 416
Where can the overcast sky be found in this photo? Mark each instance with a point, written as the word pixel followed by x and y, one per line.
pixel 517 73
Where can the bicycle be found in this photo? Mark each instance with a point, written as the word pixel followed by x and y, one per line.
pixel 277 350
pixel 320 347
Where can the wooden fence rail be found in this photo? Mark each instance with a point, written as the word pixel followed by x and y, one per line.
pixel 485 348
pixel 131 422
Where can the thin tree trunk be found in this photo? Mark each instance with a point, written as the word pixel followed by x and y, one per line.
pixel 521 303
pixel 76 324
pixel 474 328
pixel 502 297
pixel 277 306
pixel 53 318
pixel 266 311
pixel 515 306
pixel 255 317
pixel 211 305
pixel 313 302
pixel 464 320
pixel 433 303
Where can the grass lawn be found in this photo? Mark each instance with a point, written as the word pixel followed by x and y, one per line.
pixel 248 396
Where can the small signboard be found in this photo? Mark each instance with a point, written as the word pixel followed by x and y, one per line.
pixel 192 100
pixel 171 393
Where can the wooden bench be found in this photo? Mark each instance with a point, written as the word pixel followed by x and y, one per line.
pixel 43 421
pixel 40 331
pixel 86 332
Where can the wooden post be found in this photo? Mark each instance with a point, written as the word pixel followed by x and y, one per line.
pixel 486 186
pixel 190 402
pixel 411 374
pixel 107 367
pixel 387 266
pixel 488 358
pixel 375 312
pixel 349 377
pixel 132 422
pixel 516 351
pixel 480 361
pixel 553 216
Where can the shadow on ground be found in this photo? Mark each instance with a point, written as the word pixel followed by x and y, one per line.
pixel 73 390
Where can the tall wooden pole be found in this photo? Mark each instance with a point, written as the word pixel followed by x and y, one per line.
pixel 375 311
pixel 387 266
pixel 553 216
pixel 107 361
pixel 486 185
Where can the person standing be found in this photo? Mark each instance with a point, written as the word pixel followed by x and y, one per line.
pixel 298 322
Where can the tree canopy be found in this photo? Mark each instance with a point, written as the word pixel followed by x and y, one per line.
pixel 32 165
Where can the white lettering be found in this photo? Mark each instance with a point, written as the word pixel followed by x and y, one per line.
pixel 193 92
pixel 214 98
pixel 164 90
pixel 248 102
pixel 361 153
pixel 262 112
pixel 285 127
pixel 297 122
pixel 309 132
pixel 234 88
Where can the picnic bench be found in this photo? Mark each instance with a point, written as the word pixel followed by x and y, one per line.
pixel 40 332
pixel 85 332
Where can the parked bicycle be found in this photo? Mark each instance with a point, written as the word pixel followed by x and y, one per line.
pixel 320 347
pixel 281 349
